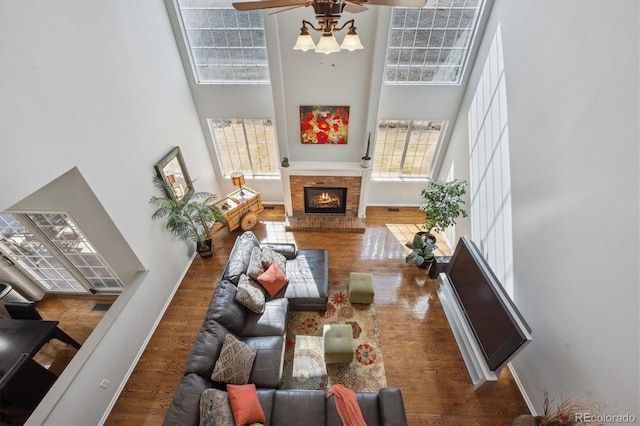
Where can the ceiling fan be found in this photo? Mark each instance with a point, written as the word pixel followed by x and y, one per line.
pixel 328 13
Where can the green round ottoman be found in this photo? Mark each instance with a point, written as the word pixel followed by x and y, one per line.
pixel 338 343
pixel 361 287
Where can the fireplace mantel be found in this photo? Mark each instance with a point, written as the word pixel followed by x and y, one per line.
pixel 324 168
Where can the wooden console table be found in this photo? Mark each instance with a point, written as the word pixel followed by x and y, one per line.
pixel 241 210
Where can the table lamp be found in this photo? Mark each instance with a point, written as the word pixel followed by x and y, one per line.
pixel 237 178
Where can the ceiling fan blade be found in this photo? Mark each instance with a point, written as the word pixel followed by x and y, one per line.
pixel 353 7
pixel 397 3
pixel 267 4
pixel 307 3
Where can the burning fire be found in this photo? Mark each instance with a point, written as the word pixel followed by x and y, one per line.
pixel 325 199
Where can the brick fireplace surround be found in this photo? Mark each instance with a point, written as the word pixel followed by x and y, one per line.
pixel 315 174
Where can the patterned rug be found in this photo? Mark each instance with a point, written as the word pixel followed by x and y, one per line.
pixel 365 373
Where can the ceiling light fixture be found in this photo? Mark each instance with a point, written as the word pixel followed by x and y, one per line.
pixel 328 43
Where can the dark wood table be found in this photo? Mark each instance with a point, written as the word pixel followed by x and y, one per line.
pixel 22 380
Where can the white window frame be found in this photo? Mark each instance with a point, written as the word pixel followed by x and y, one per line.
pixel 378 175
pixel 246 164
pixel 248 65
pixel 55 251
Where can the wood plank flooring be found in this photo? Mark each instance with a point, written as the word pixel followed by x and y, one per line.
pixel 420 353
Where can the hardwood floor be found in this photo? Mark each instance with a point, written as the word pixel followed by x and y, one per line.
pixel 77 318
pixel 420 353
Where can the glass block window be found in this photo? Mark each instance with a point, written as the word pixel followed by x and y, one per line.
pixel 431 45
pixel 247 145
pixel 74 245
pixel 405 148
pixel 54 252
pixel 226 45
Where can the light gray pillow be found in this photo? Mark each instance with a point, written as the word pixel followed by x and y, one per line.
pixel 255 267
pixel 250 294
pixel 235 362
pixel 215 409
pixel 269 256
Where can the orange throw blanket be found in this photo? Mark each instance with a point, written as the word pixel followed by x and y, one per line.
pixel 347 406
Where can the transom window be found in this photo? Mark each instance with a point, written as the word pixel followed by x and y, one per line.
pixel 431 45
pixel 226 45
pixel 405 148
pixel 52 250
pixel 247 145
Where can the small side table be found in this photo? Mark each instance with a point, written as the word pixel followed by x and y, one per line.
pixel 438 266
pixel 309 369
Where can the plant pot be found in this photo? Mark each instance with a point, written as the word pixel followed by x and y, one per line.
pixel 365 162
pixel 426 264
pixel 205 249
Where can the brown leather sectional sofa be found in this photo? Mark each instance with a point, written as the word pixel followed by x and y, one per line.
pixel 307 271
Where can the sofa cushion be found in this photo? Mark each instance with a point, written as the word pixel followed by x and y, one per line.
pixel 273 279
pixel 392 407
pixel 250 294
pixel 308 275
pixel 296 407
pixel 234 363
pixel 225 309
pixel 245 404
pixel 185 408
pixel 239 257
pixel 368 403
pixel 215 409
pixel 267 368
pixel 266 401
pixel 272 322
pixel 206 348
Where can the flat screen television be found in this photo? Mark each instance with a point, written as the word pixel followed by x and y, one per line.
pixel 497 325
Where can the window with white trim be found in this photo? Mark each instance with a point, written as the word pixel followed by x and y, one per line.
pixel 225 45
pixel 52 250
pixel 247 145
pixel 406 148
pixel 431 45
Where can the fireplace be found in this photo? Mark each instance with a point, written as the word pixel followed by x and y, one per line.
pixel 325 200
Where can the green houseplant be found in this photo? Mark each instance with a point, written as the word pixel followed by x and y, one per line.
pixel 422 254
pixel 188 218
pixel 442 204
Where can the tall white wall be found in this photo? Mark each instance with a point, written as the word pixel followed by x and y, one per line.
pixel 572 80
pixel 99 86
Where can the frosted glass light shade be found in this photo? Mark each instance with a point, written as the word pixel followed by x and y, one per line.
pixel 304 43
pixel 351 42
pixel 327 44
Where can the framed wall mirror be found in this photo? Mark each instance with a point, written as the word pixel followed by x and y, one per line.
pixel 173 171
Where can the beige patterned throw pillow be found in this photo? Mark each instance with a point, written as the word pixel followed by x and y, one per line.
pixel 235 362
pixel 250 294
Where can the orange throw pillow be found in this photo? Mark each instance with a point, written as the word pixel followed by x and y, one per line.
pixel 273 279
pixel 245 404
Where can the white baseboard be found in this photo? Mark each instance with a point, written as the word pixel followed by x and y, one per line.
pixel 525 396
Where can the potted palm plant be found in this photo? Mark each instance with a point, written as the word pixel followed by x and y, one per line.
pixel 442 205
pixel 422 255
pixel 188 218
pixel 366 160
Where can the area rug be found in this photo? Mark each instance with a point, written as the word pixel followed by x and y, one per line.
pixel 364 374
